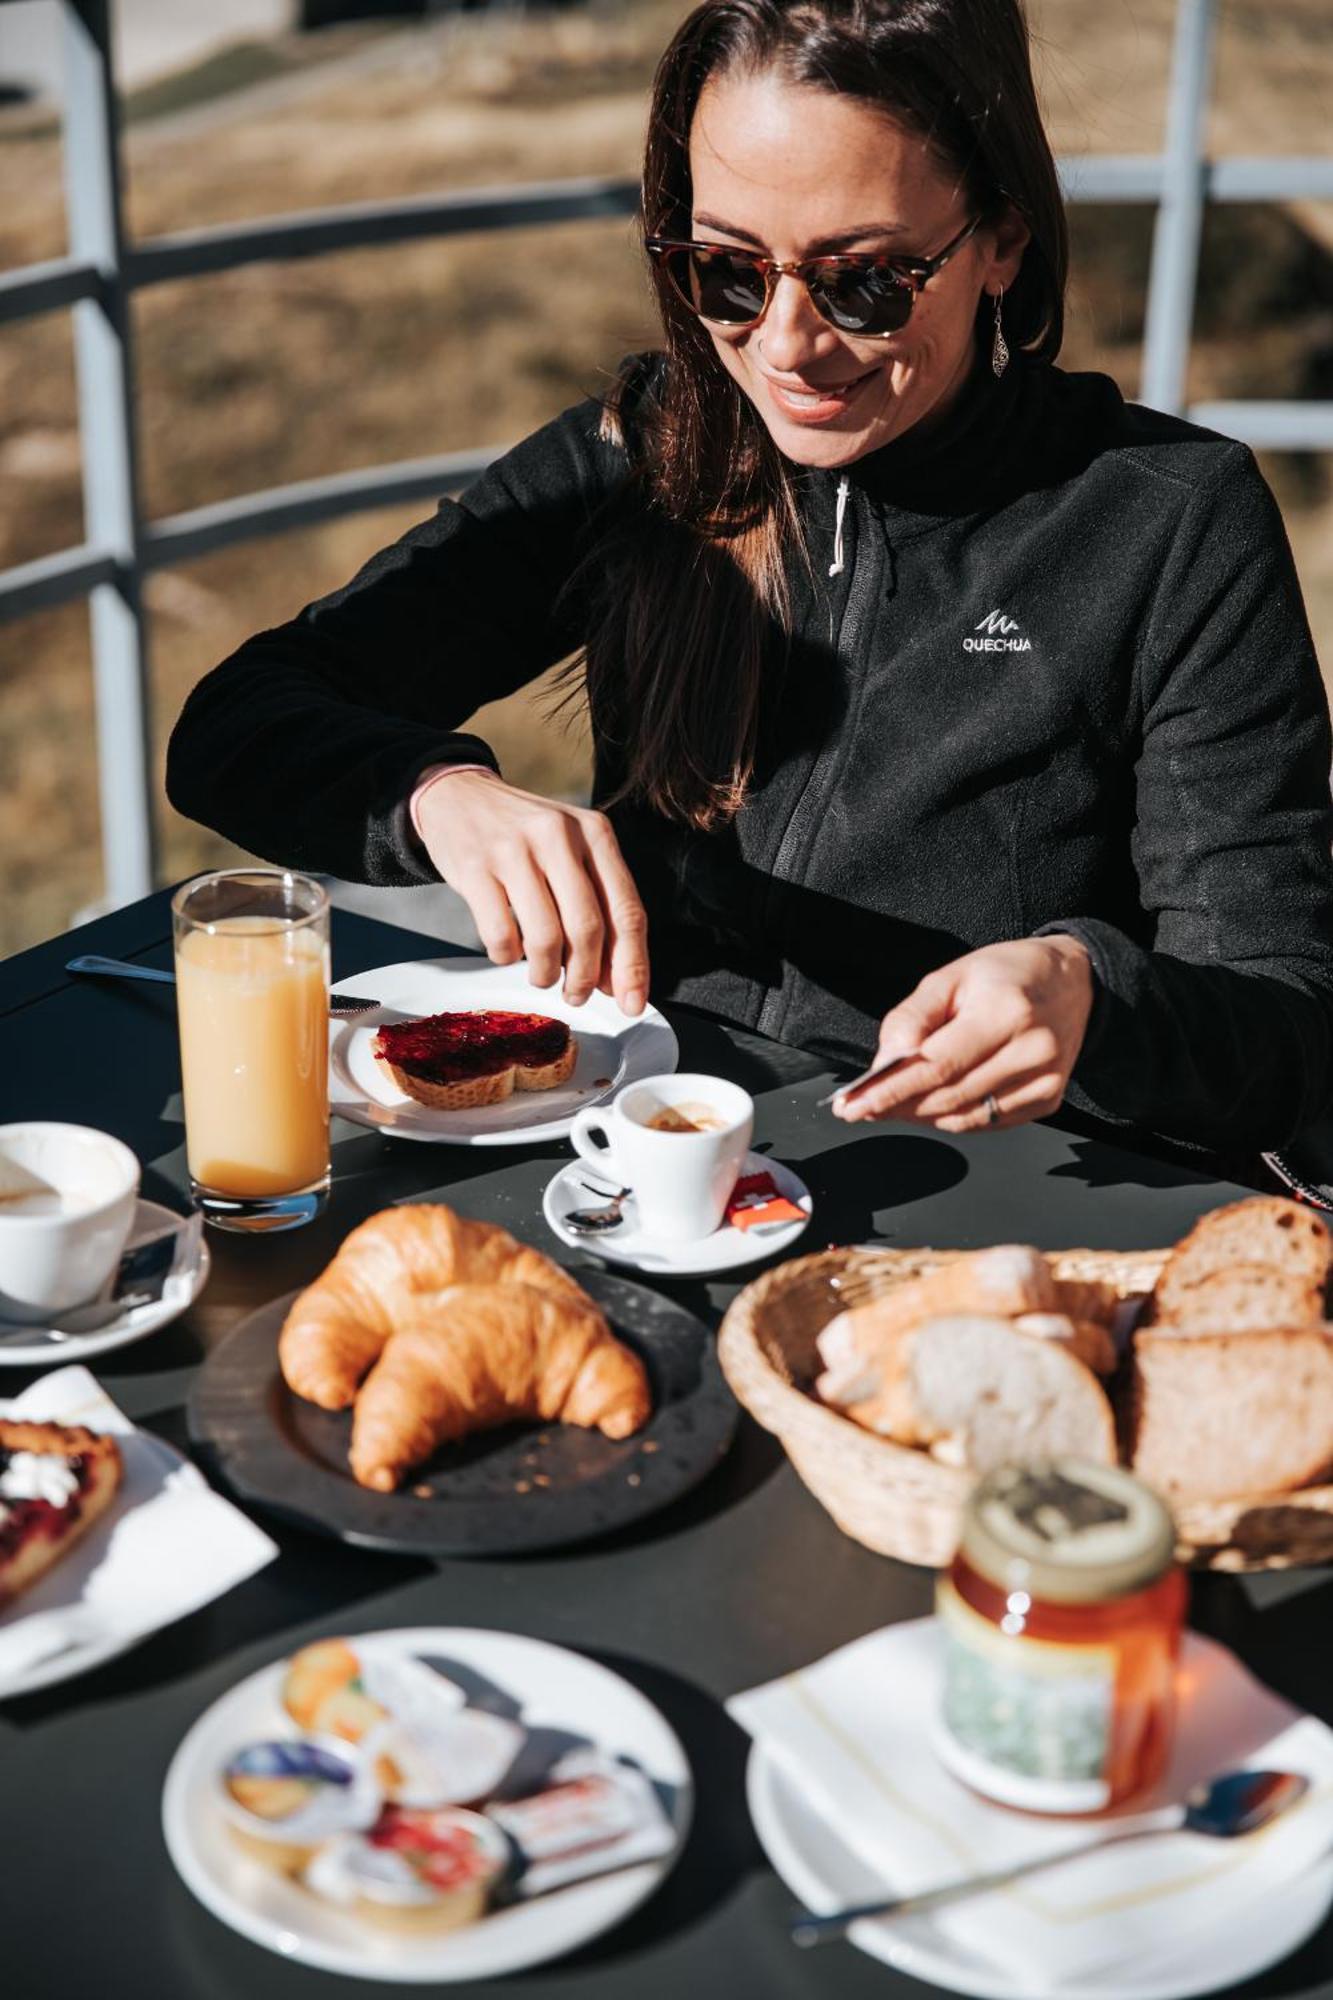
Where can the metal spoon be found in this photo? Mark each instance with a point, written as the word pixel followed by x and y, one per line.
pixel 1237 1802
pixel 592 1221
pixel 120 968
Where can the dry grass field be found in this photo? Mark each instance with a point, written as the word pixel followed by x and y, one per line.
pixel 286 371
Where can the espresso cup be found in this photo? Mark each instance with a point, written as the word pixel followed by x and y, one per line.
pixel 61 1240
pixel 682 1178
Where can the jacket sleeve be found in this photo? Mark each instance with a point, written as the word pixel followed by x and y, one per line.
pixel 304 746
pixel 1220 1030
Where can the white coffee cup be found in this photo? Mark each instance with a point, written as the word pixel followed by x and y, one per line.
pixel 61 1239
pixel 682 1180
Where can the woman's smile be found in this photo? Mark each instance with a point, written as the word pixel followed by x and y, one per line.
pixel 811 403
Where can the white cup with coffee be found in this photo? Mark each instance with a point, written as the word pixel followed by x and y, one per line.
pixel 678 1141
pixel 67 1198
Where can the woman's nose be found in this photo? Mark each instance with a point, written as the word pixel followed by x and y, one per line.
pixel 792 331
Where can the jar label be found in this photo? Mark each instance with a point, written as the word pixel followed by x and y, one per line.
pixel 1024 1720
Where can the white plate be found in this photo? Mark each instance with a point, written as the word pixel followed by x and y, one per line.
pixel 614 1049
pixel 556 1688
pixel 166 1545
pixel 150 1219
pixel 727 1249
pixel 824 1873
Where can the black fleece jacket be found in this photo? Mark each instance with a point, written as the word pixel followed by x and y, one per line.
pixel 1061 681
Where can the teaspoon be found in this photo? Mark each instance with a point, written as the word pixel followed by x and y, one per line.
pixel 1236 1802
pixel 592 1221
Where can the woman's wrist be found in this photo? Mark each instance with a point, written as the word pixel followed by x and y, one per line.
pixel 430 777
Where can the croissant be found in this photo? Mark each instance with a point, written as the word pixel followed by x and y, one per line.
pixel 482 1355
pixel 385 1274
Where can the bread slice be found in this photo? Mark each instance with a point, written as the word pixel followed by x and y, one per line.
pixel 460 1061
pixel 857 1345
pixel 1007 1397
pixel 37 1528
pixel 1230 1413
pixel 1087 1339
pixel 1244 1298
pixel 1087 1299
pixel 1265 1232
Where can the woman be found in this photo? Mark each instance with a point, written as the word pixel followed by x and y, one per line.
pixel 945 706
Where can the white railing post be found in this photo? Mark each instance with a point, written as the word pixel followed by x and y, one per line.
pixel 1179 226
pixel 106 424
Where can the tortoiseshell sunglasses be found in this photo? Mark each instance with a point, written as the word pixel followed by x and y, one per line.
pixel 871 296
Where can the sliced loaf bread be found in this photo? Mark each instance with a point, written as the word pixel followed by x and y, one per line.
pixel 1230 1413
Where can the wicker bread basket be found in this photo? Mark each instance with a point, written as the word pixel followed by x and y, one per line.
pixel 899 1500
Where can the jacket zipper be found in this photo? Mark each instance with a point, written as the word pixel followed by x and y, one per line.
pixel 777 1000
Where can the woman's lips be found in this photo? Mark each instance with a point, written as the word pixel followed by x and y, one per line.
pixel 815 405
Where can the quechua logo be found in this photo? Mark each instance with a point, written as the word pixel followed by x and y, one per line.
pixel 997 634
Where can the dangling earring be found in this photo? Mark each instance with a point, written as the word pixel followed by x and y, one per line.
pixel 999 354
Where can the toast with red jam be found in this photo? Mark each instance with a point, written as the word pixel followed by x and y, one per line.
pixel 455 1062
pixel 55 1481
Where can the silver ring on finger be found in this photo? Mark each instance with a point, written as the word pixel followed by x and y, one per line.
pixel 992 1108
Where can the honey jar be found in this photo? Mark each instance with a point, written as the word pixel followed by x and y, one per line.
pixel 1061 1618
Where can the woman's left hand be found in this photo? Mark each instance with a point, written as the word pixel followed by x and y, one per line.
pixel 991 1038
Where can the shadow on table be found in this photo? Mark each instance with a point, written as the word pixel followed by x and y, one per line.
pixel 721 1848
pixel 1101 1165
pixel 1281 1625
pixel 856 1180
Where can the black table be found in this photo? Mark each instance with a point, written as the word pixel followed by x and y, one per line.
pixel 744 1579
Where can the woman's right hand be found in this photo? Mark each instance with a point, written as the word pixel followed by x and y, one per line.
pixel 543 881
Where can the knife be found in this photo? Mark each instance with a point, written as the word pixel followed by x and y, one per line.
pixel 120 968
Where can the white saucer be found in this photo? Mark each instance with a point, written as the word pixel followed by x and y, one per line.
pixel 52 1346
pixel 553 1687
pixel 727 1249
pixel 613 1049
pixel 825 1874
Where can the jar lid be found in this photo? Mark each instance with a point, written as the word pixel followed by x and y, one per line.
pixel 1067 1531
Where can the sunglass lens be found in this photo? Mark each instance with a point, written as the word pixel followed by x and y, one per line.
pixel 863 301
pixel 728 290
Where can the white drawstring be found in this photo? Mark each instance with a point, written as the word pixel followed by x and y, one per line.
pixel 836 566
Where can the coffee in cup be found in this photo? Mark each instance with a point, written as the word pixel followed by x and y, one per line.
pixel 679 1142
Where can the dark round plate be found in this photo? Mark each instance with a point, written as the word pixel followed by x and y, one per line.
pixel 500 1492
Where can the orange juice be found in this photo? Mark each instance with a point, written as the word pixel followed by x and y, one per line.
pixel 253 1005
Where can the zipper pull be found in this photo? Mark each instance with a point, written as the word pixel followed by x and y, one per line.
pixel 837 566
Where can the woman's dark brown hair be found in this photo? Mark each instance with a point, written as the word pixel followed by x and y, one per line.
pixel 689 600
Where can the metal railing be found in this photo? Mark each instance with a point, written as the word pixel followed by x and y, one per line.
pixel 103 270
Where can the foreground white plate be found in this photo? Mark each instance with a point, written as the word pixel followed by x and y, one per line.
pixel 824 1873
pixel 727 1249
pixel 614 1049
pixel 556 1688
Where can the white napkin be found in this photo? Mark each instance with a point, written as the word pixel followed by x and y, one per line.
pixel 855 1733
pixel 166 1545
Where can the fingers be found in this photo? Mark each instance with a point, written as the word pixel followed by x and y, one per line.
pixel 1024 1056
pixel 539 920
pixel 1022 1100
pixel 624 970
pixel 580 916
pixel 906 1027
pixel 486 899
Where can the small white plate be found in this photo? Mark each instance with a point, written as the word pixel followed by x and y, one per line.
pixel 554 1688
pixel 166 1545
pixel 613 1049
pixel 824 1874
pixel 34 1346
pixel 727 1249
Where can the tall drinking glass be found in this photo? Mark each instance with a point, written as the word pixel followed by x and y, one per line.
pixel 252 997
